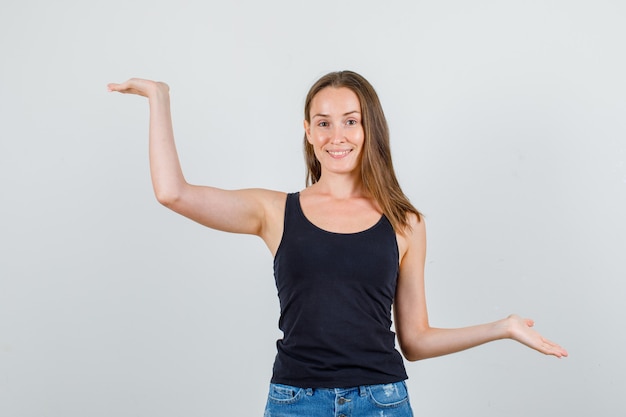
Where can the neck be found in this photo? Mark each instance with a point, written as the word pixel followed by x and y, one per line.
pixel 341 186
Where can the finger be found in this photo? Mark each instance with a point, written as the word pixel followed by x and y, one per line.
pixel 550 348
pixel 113 86
pixel 119 87
pixel 127 87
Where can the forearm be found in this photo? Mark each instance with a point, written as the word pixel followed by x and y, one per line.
pixel 433 342
pixel 165 170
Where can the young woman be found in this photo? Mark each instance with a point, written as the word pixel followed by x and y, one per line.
pixel 346 248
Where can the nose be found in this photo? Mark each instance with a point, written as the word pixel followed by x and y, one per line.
pixel 337 134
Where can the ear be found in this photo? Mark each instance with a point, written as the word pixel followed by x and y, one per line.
pixel 307 130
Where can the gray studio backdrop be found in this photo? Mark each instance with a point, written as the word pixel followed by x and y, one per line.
pixel 508 132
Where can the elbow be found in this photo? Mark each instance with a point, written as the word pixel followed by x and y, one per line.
pixel 170 191
pixel 409 351
pixel 167 197
pixel 414 348
pixel 411 355
pixel 411 358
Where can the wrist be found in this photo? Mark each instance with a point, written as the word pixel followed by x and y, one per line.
pixel 504 328
pixel 159 91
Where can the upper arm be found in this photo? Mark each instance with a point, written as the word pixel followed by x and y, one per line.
pixel 411 314
pixel 251 211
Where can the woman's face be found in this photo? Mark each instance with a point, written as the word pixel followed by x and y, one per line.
pixel 336 130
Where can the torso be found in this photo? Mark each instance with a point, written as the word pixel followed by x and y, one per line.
pixel 336 287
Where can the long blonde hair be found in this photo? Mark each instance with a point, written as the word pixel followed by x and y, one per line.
pixel 377 172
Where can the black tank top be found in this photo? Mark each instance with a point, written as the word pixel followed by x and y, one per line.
pixel 335 292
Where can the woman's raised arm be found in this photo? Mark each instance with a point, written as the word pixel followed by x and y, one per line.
pixel 251 211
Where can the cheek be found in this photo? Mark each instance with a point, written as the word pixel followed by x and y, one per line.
pixel 315 138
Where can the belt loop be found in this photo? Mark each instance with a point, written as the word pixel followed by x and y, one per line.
pixel 309 391
pixel 362 390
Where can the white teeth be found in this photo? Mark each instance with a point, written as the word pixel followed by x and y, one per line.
pixel 339 153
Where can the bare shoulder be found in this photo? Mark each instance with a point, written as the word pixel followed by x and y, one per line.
pixel 413 238
pixel 273 203
pixel 270 203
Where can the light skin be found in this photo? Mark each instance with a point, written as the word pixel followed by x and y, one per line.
pixel 338 202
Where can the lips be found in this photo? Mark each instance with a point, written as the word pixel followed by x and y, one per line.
pixel 339 154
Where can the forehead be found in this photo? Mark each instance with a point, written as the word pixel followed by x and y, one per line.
pixel 332 100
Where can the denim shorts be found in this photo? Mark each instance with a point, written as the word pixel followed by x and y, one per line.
pixel 388 400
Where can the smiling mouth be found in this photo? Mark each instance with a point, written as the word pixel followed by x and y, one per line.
pixel 339 154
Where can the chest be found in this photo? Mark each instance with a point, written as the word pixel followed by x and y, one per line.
pixel 340 217
pixel 310 254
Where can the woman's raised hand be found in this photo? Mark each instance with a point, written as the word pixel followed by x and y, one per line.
pixel 521 330
pixel 141 87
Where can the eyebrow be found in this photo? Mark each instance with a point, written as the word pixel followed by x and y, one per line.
pixel 327 115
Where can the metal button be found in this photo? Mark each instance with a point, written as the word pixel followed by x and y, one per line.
pixel 342 401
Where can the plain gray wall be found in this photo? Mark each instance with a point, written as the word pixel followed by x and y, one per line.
pixel 508 132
